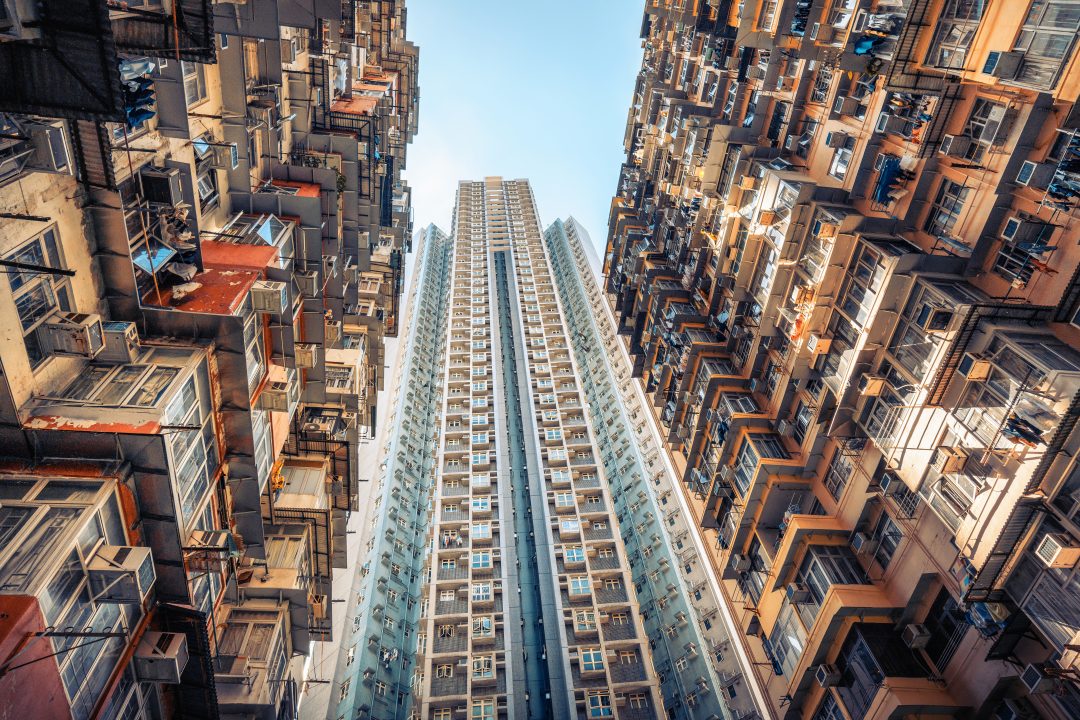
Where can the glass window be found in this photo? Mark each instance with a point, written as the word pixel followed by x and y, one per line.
pixel 599 704
pixel 592 659
pixel 194 82
pixel 947 207
pixel 38 294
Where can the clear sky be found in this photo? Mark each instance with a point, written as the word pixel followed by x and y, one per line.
pixel 523 88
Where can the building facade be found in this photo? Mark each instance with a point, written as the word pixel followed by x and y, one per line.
pixel 527 556
pixel 842 257
pixel 203 234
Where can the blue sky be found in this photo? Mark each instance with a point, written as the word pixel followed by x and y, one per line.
pixel 537 89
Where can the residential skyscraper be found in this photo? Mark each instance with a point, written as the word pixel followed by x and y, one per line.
pixel 527 555
pixel 842 254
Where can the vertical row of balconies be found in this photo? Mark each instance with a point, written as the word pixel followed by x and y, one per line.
pixel 379 659
pixel 837 255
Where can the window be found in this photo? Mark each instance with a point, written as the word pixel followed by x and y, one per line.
pixel 822 567
pixel 483 667
pixel 585 621
pixel 446 595
pixel 945 212
pixel 446 631
pixel 38 295
pixel 955 30
pixel 388 623
pixel 841 159
pixel 344 692
pixel 787 642
pixel 836 477
pixel 481 560
pixel 481 592
pixel 599 704
pixel 194 82
pixel 441 714
pixel 205 173
pixel 483 627
pixel 574 554
pixel 483 709
pixel 638 701
pixel 984 125
pixel 592 660
pixel 444 671
pixel 888 536
pixel 1046 39
pixel 579 585
pixel 380 688
pixel 628 657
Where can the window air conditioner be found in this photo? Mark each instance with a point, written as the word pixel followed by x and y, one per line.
pixel 954 145
pixel 307 355
pixel 288 51
pixel 890 484
pixel 121 574
pixel 827 675
pixel 318 606
pixel 278 395
pixel 270 296
pixel 308 282
pixel 974 366
pixel 226 156
pixel 121 342
pixel 72 334
pixel 1057 550
pixel 161 186
pixel 949 459
pixel 863 543
pixel 916 636
pixel 161 657
pixel 740 563
pixel 871 385
pixel 1037 681
pixel 797 592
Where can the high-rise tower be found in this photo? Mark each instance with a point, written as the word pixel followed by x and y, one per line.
pixel 524 550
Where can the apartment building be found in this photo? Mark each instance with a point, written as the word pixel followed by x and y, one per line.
pixel 841 255
pixel 527 555
pixel 203 234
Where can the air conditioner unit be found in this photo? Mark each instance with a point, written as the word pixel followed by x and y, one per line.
pixel 308 282
pixel 725 472
pixel 121 342
pixel 827 675
pixel 226 156
pixel 890 484
pixel 72 334
pixel 818 345
pixel 1004 65
pixel 50 147
pixel 871 385
pixel 767 217
pixel 783 427
pixel 954 145
pixel 740 563
pixel 1057 550
pixel 318 606
pixel 974 366
pixel 161 186
pixel 288 52
pixel 161 657
pixel 747 182
pixel 307 355
pixel 933 319
pixel 915 635
pixel 270 296
pixel 798 592
pixel 949 459
pixel 278 395
pixel 863 543
pixel 121 574
pixel 836 139
pixel 844 105
pixel 1037 681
